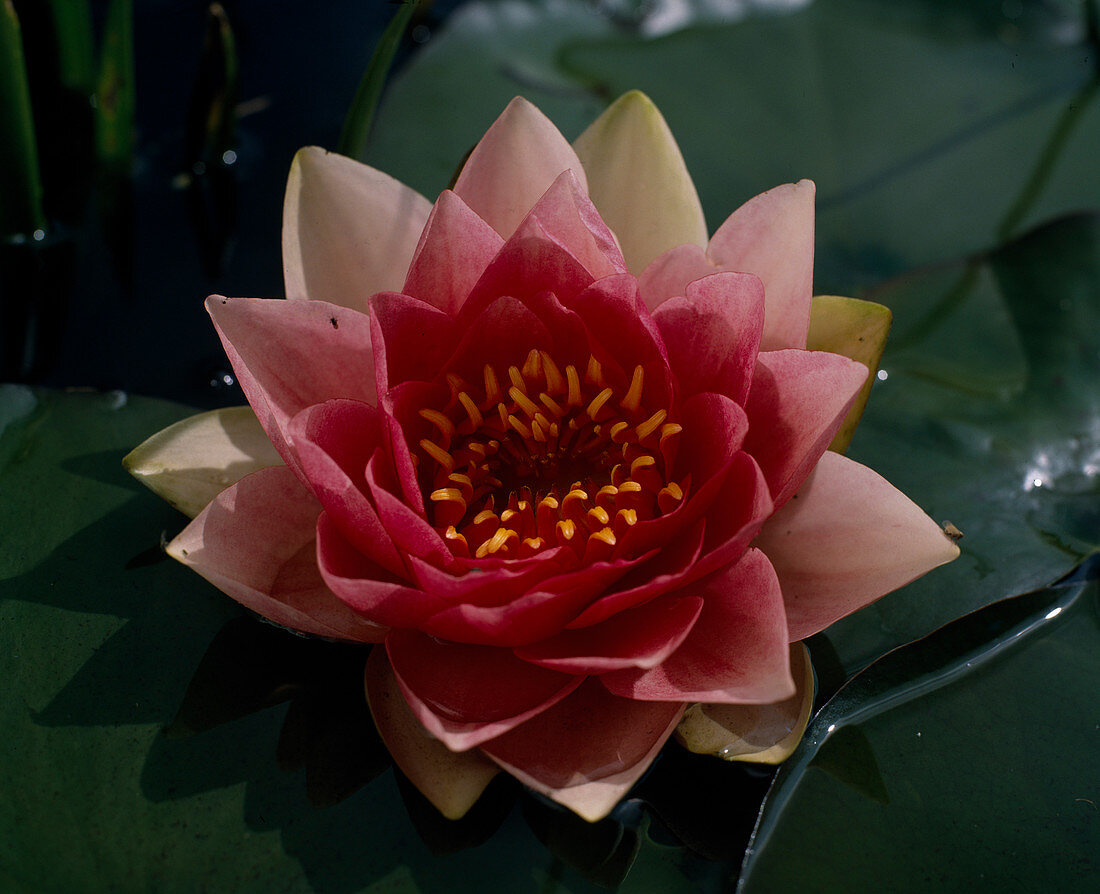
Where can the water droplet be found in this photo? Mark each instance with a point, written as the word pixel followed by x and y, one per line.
pixel 221 380
pixel 883 375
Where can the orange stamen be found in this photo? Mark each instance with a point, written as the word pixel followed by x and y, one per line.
pixel 632 400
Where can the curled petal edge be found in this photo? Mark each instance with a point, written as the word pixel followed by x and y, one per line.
pixel 762 734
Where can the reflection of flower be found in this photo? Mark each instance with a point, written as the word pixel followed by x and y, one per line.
pixel 569 500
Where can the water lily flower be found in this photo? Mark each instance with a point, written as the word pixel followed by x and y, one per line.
pixel 560 455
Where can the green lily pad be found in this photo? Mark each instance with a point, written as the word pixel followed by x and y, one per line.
pixel 923 128
pixel 973 733
pixel 988 418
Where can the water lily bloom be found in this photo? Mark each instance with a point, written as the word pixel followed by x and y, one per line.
pixel 559 455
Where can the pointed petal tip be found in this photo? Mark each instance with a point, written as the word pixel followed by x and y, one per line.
pixel 348 229
pixel 214 302
pixel 521 105
pixel 639 182
pixel 850 538
pixel 175 550
pixel 191 461
pixel 452 781
pixel 593 801
pixel 635 99
pixel 308 155
pixel 513 164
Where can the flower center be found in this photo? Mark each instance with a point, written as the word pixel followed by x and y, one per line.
pixel 547 458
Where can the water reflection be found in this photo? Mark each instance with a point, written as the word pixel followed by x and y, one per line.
pixel 1069 467
pixel 327 734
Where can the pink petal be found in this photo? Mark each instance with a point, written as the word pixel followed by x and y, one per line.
pixel 740 509
pixel 452 781
pixel 255 542
pixel 566 216
pixel 737 650
pixel 772 235
pixel 289 355
pixel 588 736
pixel 466 694
pixel 405 426
pixel 713 334
pixel 334 441
pixel 484 585
pixel 845 539
pixel 513 165
pixel 406 524
pixel 412 339
pixel 525 268
pixel 668 275
pixel 622 335
pixel 536 615
pixel 348 230
pixel 455 248
pixel 714 430
pixel 367 587
pixel 638 637
pixel 798 401
pixel 560 247
pixel 646 580
pixel 593 801
pixel 500 336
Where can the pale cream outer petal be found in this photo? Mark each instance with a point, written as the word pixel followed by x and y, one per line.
pixel 192 461
pixel 857 329
pixel 451 780
pixel 516 161
pixel 638 181
pixel 348 230
pixel 762 734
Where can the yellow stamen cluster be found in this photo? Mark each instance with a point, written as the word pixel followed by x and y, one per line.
pixel 547 457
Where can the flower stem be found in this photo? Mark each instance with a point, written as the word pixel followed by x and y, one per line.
pixel 1048 159
pixel 353 138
